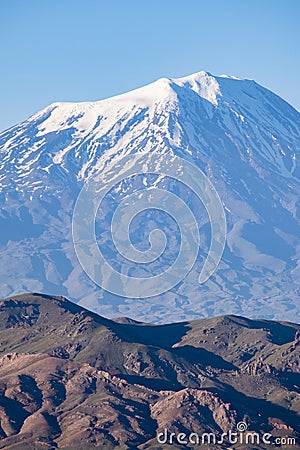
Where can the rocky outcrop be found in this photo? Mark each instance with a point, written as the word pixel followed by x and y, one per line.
pixel 117 384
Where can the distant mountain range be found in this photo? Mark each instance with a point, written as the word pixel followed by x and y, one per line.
pixel 72 379
pixel 242 136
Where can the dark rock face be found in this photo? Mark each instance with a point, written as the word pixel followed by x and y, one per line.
pixel 72 379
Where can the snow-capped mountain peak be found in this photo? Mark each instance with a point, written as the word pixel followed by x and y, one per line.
pixel 204 84
pixel 244 137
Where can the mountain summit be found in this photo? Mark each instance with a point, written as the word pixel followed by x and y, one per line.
pixel 242 136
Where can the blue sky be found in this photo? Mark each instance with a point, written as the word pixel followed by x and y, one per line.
pixel 70 50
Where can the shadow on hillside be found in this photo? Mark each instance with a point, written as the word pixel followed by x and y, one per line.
pixel 163 336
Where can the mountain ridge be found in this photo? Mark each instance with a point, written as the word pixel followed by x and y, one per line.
pixel 72 379
pixel 247 145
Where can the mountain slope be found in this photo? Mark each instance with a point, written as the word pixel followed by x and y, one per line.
pixel 72 379
pixel 244 138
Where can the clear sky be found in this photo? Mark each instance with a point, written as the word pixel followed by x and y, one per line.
pixel 71 50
